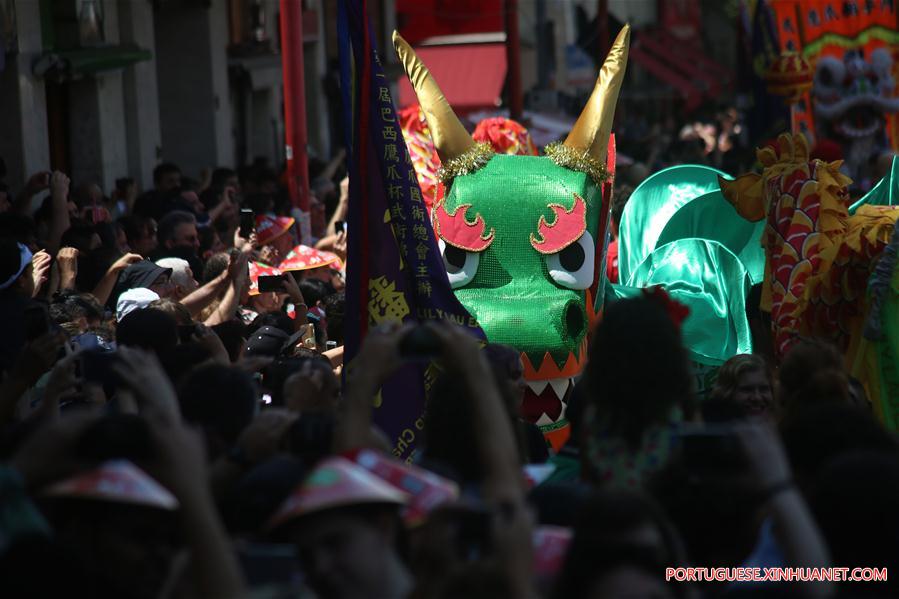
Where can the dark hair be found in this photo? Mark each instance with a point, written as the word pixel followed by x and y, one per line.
pixel 310 437
pixel 602 541
pixel 215 265
pixel 855 506
pixel 221 400
pixel 10 259
pixel 335 310
pixel 78 236
pixel 220 176
pixel 148 328
pixel 276 374
pixel 819 433
pixel 258 494
pixel 17 227
pixel 171 221
pixel 183 358
pixel 92 266
pixel 279 320
pixel 314 291
pixel 638 370
pixel 134 226
pixel 176 309
pixel 77 304
pixel 233 334
pixel 620 195
pixel 164 169
pixel 812 373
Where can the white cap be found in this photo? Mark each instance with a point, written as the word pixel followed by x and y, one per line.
pixel 180 268
pixel 134 299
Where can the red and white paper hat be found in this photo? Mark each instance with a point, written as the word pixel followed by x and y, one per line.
pixel 550 546
pixel 258 269
pixel 116 481
pixel 336 482
pixel 426 490
pixel 269 228
pixel 303 257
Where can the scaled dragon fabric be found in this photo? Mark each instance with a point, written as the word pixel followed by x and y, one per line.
pixel 819 258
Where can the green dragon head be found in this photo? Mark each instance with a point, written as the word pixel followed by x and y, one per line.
pixel 522 237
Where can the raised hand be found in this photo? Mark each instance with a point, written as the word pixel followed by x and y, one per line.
pixel 40 272
pixel 67 259
pixel 124 262
pixel 38 182
pixel 59 184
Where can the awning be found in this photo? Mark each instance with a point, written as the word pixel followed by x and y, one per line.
pixel 68 64
pixel 471 76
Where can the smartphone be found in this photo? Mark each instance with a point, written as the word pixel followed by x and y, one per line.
pixel 340 226
pixel 247 222
pixel 308 338
pixel 330 345
pixel 271 283
pixel 37 322
pixel 419 344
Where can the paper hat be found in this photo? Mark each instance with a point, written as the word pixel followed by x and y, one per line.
pixel 336 482
pixel 269 228
pixel 426 490
pixel 505 136
pixel 116 481
pixel 303 257
pixel 258 269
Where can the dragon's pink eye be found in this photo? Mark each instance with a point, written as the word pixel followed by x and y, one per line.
pixel 456 231
pixel 567 227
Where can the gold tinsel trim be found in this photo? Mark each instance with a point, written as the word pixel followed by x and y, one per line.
pixel 568 157
pixel 474 158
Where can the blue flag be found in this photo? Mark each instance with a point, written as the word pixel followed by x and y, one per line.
pixel 394 268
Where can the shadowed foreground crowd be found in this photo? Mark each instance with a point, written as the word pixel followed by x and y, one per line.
pixel 169 429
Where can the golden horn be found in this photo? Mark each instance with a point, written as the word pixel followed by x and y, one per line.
pixel 450 138
pixel 591 131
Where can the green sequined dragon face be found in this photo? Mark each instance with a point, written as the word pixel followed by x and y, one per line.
pixel 520 244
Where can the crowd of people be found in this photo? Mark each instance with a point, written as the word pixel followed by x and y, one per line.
pixel 175 422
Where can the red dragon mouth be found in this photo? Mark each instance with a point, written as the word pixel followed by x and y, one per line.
pixel 550 385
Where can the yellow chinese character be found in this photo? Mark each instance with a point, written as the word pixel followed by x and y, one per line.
pixel 389 133
pixel 424 288
pixel 385 302
pixel 383 94
pixel 390 153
